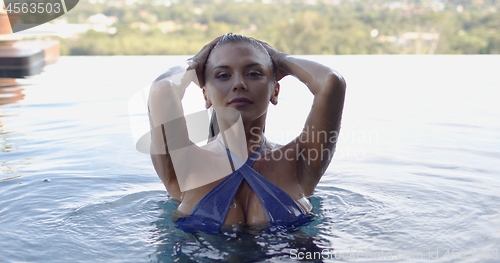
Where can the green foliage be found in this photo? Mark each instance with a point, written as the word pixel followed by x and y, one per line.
pixel 328 27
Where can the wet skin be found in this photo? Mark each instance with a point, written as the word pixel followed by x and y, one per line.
pixel 239 76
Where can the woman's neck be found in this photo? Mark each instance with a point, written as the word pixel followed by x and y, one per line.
pixel 232 136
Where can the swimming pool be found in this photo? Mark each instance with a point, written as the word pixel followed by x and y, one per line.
pixel 415 176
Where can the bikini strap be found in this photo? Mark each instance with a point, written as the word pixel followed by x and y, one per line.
pixel 236 161
pixel 256 155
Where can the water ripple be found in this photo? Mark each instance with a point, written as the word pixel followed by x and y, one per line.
pixel 74 189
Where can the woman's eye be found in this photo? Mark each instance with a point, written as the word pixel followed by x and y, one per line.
pixel 254 74
pixel 222 76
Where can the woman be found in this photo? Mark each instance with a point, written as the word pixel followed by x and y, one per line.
pixel 216 187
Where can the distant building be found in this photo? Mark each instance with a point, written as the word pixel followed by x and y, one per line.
pixel 102 23
pixel 141 26
pixel 168 26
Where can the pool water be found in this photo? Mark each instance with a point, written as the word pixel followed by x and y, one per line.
pixel 415 176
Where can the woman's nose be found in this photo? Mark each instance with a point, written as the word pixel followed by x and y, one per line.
pixel 239 83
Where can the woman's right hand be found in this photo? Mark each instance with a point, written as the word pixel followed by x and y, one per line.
pixel 198 61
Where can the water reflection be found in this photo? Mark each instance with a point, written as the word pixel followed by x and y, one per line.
pixel 10 91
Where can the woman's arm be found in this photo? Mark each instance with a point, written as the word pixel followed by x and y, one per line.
pixel 168 128
pixel 169 136
pixel 318 139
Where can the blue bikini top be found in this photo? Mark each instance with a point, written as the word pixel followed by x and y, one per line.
pixel 210 213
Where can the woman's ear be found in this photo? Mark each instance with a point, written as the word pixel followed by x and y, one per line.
pixel 276 92
pixel 208 103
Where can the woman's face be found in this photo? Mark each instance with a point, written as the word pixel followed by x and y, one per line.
pixel 240 76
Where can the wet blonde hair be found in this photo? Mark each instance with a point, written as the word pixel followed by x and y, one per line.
pixel 235 38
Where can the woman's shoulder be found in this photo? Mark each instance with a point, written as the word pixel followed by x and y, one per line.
pixel 280 159
pixel 287 165
pixel 285 150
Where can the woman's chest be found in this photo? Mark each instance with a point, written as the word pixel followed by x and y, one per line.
pixel 252 199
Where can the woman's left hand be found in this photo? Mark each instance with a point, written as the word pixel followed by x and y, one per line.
pixel 278 59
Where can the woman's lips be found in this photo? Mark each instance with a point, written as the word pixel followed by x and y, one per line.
pixel 238 102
